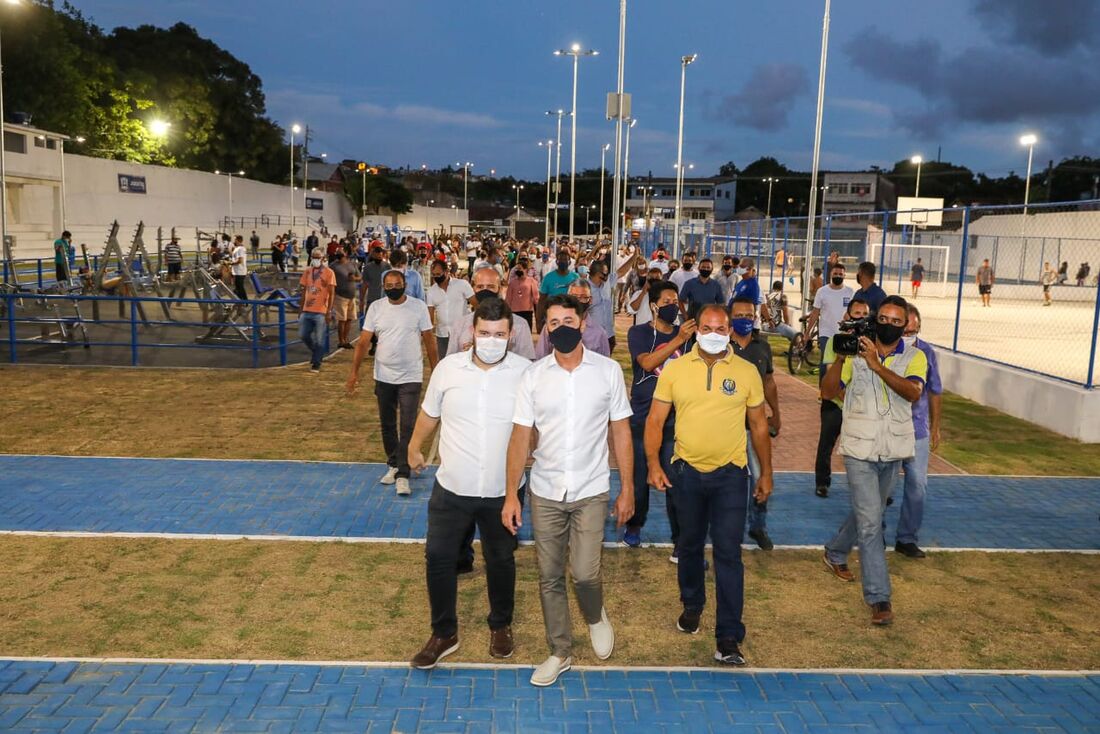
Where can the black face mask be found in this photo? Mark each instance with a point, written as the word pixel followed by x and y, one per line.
pixel 563 265
pixel 485 294
pixel 838 280
pixel 727 268
pixel 705 273
pixel 565 338
pixel 583 307
pixel 889 333
pixel 394 294
pixel 651 281
pixel 668 312
pixel 440 279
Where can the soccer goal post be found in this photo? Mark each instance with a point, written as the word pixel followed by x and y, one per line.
pixel 896 262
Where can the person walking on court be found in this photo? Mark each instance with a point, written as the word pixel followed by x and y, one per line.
pixel 238 264
pixel 984 279
pixel 471 396
pixel 318 295
pixel 708 387
pixel 916 276
pixel 347 301
pixel 1047 280
pixel 572 397
pixel 402 324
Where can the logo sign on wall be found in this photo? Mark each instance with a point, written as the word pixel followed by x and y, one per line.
pixel 128 184
pixel 312 203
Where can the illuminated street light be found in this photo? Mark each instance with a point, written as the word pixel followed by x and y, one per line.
pixel 1029 140
pixel 685 62
pixel 576 52
pixel 917 161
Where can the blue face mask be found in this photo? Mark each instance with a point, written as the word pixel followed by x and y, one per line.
pixel 742 327
pixel 582 270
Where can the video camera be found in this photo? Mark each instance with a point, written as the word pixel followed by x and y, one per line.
pixel 846 341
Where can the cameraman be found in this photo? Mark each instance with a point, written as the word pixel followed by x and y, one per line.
pixel 879 387
pixel 832 415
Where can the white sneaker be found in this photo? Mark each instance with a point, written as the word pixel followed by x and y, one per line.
pixel 602 636
pixel 547 673
pixel 403 488
pixel 389 477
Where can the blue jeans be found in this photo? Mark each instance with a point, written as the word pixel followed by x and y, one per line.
pixel 641 478
pixel 312 331
pixel 916 486
pixel 870 483
pixel 715 502
pixel 757 511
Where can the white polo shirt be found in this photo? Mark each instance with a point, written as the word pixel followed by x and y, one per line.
pixel 571 411
pixel 399 359
pixel 450 305
pixel 475 408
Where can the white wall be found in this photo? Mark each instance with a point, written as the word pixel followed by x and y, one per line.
pixel 1061 407
pixel 433 218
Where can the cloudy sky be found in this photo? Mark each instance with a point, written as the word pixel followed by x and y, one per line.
pixel 427 81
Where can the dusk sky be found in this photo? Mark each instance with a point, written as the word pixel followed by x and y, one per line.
pixel 412 82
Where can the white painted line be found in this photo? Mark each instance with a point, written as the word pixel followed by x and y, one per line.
pixel 520 666
pixel 378 464
pixel 357 539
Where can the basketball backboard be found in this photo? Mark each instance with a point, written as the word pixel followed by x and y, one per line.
pixel 921 211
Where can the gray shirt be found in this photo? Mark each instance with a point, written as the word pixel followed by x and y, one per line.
pixel 344 272
pixel 985 275
pixel 372 279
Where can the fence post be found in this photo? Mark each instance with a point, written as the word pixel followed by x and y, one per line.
pixel 255 337
pixel 9 304
pixel 282 333
pixel 39 273
pixel 962 277
pixel 882 256
pixel 1092 349
pixel 133 333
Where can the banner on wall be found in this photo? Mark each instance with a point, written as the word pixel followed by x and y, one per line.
pixel 128 184
pixel 312 203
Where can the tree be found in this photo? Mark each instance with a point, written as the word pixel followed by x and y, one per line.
pixel 382 192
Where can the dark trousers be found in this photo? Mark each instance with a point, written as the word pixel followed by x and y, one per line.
pixel 450 516
pixel 716 502
pixel 238 287
pixel 641 478
pixel 470 268
pixel 397 402
pixel 528 316
pixel 466 554
pixel 832 417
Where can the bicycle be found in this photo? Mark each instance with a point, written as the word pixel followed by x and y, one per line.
pixel 803 349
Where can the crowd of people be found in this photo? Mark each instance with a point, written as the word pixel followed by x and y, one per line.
pixel 524 402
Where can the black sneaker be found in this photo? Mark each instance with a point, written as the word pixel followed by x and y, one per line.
pixel 909 550
pixel 689 622
pixel 315 368
pixel 762 539
pixel 465 566
pixel 729 652
pixel 822 491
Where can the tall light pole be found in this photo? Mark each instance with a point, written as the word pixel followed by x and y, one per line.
pixel 808 251
pixel 515 222
pixel 626 161
pixel 230 175
pixel 1029 140
pixel 603 165
pixel 685 61
pixel 549 145
pixel 557 172
pixel 3 161
pixel 771 182
pixel 465 183
pixel 294 130
pixel 917 161
pixel 576 52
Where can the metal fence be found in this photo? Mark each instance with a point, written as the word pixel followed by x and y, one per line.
pixel 149 331
pixel 1046 324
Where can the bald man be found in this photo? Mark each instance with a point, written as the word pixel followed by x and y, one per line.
pixel 487 284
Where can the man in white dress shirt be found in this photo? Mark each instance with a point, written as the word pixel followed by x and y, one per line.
pixel 570 396
pixel 472 394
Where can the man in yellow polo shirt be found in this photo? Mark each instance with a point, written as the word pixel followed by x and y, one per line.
pixel 712 391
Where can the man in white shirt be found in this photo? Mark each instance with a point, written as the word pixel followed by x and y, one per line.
pixel 472 394
pixel 239 266
pixel 487 285
pixel 830 305
pixel 398 321
pixel 449 299
pixel 472 247
pixel 686 272
pixel 570 396
pixel 638 303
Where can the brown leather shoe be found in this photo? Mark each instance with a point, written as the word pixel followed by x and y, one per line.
pixel 434 650
pixel 881 613
pixel 840 570
pixel 501 643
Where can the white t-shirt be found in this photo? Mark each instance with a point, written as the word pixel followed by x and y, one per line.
pixel 472 246
pixel 682 276
pixel 475 408
pixel 239 268
pixel 399 359
pixel 832 304
pixel 449 304
pixel 643 315
pixel 661 265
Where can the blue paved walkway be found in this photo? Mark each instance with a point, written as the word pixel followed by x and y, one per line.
pixel 341 500
pixel 302 698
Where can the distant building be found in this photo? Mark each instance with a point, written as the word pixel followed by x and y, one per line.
pixel 857 193
pixel 704 199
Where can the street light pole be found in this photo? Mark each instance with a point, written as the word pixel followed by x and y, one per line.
pixel 808 251
pixel 549 144
pixel 603 163
pixel 557 170
pixel 1029 140
pixel 465 184
pixel 3 166
pixel 917 161
pixel 617 188
pixel 576 52
pixel 626 162
pixel 515 222
pixel 294 130
pixel 771 182
pixel 685 61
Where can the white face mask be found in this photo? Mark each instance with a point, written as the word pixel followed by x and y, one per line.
pixel 315 262
pixel 490 349
pixel 909 340
pixel 713 343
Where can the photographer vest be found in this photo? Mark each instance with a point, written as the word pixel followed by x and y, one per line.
pixel 878 423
